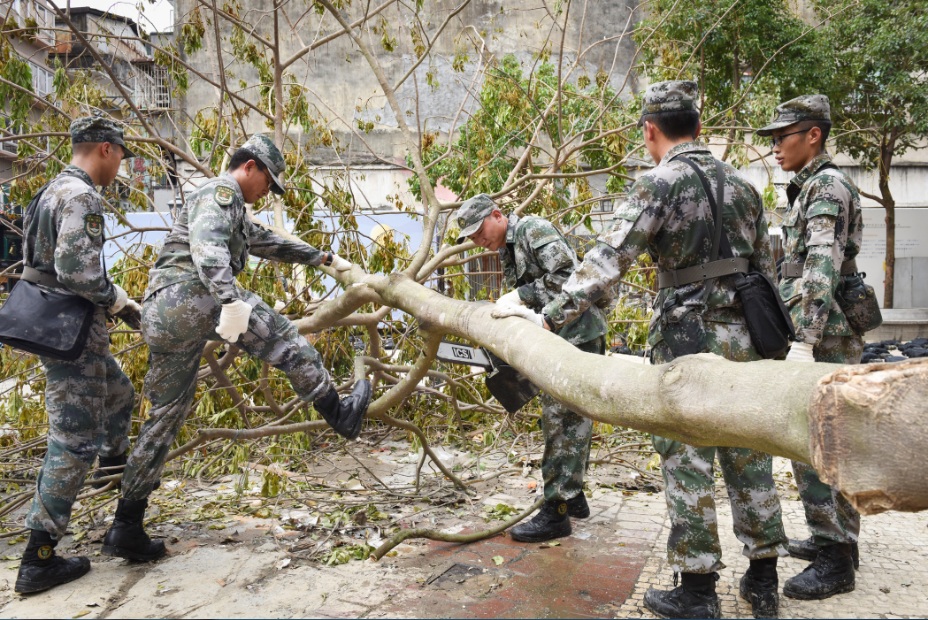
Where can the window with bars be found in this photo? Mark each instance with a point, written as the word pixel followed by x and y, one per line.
pixel 152 86
pixel 485 276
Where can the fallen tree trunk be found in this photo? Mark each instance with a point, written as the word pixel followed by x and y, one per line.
pixel 857 425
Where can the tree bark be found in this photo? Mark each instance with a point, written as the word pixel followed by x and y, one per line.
pixel 889 204
pixel 811 412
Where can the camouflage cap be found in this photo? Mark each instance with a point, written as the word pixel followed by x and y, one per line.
pixel 264 149
pixel 472 213
pixel 671 96
pixel 98 129
pixel 802 108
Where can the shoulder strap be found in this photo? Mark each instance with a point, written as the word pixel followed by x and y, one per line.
pixel 27 218
pixel 715 203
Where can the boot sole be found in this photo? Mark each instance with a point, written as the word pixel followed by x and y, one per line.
pixel 127 554
pixel 802 596
pixel 30 587
pixel 536 539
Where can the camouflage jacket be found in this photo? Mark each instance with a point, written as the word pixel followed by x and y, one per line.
pixel 822 229
pixel 65 236
pixel 667 214
pixel 537 260
pixel 220 234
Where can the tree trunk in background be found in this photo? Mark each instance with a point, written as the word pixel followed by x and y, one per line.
pixel 889 204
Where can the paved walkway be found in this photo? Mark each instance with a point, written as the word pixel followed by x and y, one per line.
pixel 583 577
pixel 602 570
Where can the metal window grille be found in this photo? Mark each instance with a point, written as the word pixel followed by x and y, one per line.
pixel 152 86
pixel 485 274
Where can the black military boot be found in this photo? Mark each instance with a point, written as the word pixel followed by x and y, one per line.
pixel 550 522
pixel 807 550
pixel 108 466
pixel 347 414
pixel 577 507
pixel 694 598
pixel 830 573
pixel 126 538
pixel 759 587
pixel 41 569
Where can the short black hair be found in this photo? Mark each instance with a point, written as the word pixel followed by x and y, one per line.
pixel 241 157
pixel 677 124
pixel 824 126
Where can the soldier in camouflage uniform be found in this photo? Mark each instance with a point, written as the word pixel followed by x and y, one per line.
pixel 821 238
pixel 193 297
pixel 536 261
pixel 668 215
pixel 89 400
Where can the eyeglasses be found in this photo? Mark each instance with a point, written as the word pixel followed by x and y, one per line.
pixel 776 141
pixel 270 179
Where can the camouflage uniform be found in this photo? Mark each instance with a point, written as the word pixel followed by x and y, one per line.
pixel 89 400
pixel 207 247
pixel 536 261
pixel 668 215
pixel 822 230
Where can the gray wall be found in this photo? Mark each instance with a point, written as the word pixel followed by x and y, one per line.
pixel 339 75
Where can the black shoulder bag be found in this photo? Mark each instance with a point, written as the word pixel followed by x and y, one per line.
pixel 765 314
pixel 41 321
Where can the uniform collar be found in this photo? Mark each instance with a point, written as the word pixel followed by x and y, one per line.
pixel 810 168
pixel 227 177
pixel 511 229
pixel 693 146
pixel 79 173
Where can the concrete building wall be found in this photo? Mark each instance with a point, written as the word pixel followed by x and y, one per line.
pixel 345 91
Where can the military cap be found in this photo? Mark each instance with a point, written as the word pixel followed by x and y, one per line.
pixel 672 96
pixel 802 108
pixel 267 152
pixel 98 129
pixel 472 213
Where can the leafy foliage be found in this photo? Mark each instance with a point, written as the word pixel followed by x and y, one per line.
pixel 746 55
pixel 879 75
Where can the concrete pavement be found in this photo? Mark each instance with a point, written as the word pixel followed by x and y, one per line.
pixel 248 569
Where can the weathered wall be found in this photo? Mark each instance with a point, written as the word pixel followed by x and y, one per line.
pixel 346 92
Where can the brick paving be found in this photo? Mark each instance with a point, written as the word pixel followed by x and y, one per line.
pixel 607 575
pixel 892 581
pixel 601 571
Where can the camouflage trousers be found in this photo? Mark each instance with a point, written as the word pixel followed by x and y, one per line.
pixel 177 321
pixel 89 403
pixel 689 481
pixel 567 441
pixel 830 517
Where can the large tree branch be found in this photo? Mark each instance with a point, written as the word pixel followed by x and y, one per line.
pixel 706 400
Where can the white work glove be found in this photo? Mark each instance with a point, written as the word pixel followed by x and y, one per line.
pixel 510 299
pixel 800 352
pixel 233 320
pixel 339 264
pixel 121 298
pixel 501 312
